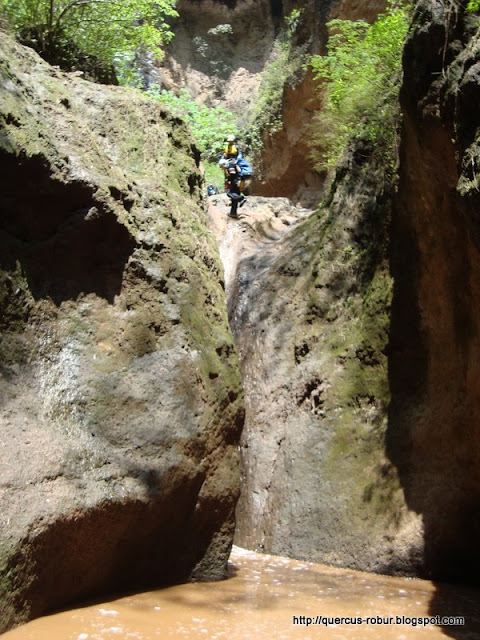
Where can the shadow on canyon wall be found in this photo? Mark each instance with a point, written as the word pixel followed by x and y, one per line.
pixel 434 375
pixel 431 434
pixel 64 238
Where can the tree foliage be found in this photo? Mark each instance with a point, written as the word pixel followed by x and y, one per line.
pixel 110 30
pixel 360 80
pixel 209 125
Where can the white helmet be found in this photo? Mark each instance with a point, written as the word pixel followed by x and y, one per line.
pixel 231 138
pixel 223 163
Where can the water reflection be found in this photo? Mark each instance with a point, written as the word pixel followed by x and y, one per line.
pixel 274 598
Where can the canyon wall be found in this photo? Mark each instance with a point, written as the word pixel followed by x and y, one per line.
pixel 121 399
pixel 434 428
pixel 219 51
pixel 311 317
pixel 359 342
pixel 286 168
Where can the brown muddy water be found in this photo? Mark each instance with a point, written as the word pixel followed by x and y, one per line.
pixel 269 597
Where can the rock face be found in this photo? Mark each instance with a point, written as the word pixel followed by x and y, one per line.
pixel 286 168
pixel 433 367
pixel 310 313
pixel 219 50
pixel 121 401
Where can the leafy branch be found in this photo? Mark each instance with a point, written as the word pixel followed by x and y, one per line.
pixel 209 125
pixel 359 79
pixel 110 30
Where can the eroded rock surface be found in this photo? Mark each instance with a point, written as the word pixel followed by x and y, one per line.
pixel 121 401
pixel 219 50
pixel 261 223
pixel 308 305
pixel 434 367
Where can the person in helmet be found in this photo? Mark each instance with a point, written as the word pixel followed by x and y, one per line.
pixel 234 182
pixel 233 185
pixel 212 190
pixel 231 149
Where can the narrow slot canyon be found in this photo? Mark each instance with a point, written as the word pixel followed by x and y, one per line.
pixel 252 426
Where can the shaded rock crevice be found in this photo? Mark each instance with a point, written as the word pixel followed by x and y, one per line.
pixel 66 240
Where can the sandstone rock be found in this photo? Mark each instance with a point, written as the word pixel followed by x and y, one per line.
pixel 121 399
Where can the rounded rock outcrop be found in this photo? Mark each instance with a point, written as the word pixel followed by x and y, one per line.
pixel 121 395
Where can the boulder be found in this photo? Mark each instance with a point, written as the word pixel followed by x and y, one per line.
pixel 121 399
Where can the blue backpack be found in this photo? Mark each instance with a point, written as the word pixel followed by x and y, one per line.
pixel 245 167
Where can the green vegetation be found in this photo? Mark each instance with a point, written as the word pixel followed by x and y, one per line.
pixel 473 5
pixel 214 174
pixel 108 30
pixel 209 126
pixel 360 80
pixel 266 114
